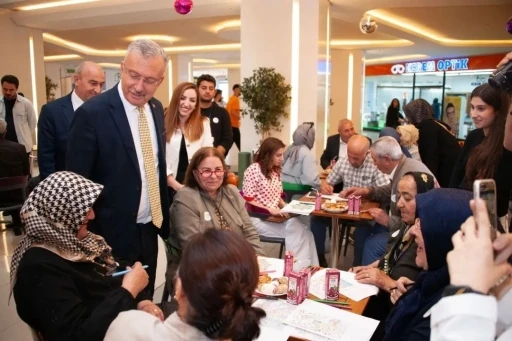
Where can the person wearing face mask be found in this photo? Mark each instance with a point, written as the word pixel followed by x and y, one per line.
pixel 399 260
pixel 61 274
pixel 262 190
pixel 440 212
pixel 207 201
pixel 56 117
pixel 487 152
pixel 186 132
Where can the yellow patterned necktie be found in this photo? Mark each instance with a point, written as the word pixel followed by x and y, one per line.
pixel 149 166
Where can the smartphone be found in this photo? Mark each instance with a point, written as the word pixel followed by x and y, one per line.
pixel 486 190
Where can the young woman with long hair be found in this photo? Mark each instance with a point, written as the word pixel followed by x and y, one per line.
pixel 262 189
pixel 487 152
pixel 186 132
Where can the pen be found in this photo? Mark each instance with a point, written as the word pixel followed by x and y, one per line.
pixel 406 286
pixel 124 272
pixel 331 302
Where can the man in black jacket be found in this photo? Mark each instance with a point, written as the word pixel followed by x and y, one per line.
pixel 220 122
pixel 336 146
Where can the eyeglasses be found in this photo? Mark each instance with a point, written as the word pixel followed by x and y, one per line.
pixel 136 77
pixel 207 173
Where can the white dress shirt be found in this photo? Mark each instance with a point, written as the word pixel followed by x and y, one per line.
pixel 144 214
pixel 472 317
pixel 76 101
pixel 343 150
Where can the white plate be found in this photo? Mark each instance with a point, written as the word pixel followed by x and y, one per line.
pixel 272 295
pixel 334 210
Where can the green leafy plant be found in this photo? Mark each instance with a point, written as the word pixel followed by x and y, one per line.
pixel 267 96
pixel 50 88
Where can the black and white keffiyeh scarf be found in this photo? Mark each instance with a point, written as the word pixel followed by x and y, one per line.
pixel 53 214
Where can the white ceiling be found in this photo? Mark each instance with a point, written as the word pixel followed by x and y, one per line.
pixel 114 20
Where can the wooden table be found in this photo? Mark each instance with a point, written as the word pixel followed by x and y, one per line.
pixel 344 217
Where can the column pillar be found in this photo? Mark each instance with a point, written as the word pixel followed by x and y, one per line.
pixel 233 78
pixel 25 59
pixel 290 45
pixel 347 76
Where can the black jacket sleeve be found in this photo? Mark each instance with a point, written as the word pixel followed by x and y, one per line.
pixel 226 140
pixel 428 146
pixel 325 160
pixel 81 152
pixel 51 302
pixel 46 143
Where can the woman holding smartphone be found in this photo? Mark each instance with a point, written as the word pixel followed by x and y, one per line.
pixel 487 152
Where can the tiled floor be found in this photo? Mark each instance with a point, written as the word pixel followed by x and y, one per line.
pixel 13 329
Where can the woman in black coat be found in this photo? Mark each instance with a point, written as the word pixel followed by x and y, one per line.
pixel 61 274
pixel 393 116
pixel 438 147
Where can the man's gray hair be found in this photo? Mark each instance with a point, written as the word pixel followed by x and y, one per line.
pixel 3 127
pixel 82 65
pixel 147 48
pixel 387 146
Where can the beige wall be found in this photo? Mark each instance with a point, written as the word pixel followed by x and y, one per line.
pixel 345 87
pixel 15 58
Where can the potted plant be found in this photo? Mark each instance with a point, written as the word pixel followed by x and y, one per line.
pixel 50 89
pixel 267 96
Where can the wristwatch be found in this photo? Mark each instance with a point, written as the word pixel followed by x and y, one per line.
pixel 452 290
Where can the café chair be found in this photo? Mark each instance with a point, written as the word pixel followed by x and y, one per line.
pixel 263 214
pixel 16 187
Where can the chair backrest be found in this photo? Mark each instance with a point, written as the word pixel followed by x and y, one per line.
pixel 13 182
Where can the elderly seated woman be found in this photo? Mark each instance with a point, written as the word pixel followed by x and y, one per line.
pixel 61 274
pixel 300 170
pixel 263 189
pixel 207 201
pixel 440 213
pixel 215 282
pixel 399 260
pixel 409 136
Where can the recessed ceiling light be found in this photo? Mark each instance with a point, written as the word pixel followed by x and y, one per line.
pixel 205 61
pixel 53 4
pixel 110 65
pixel 155 37
pixel 386 43
pixel 218 66
pixel 407 25
pixel 61 57
pixel 396 58
pixel 227 24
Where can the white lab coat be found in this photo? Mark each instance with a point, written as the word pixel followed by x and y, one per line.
pixel 472 317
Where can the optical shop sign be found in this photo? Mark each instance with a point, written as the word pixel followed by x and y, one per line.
pixel 435 65
pixel 431 66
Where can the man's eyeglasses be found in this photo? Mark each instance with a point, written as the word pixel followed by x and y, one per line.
pixel 136 77
pixel 207 173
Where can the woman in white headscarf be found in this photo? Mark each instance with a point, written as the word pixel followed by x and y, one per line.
pixel 409 136
pixel 299 164
pixel 61 274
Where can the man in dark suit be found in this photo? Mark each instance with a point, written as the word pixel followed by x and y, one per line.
pixel 117 139
pixel 56 117
pixel 13 162
pixel 336 146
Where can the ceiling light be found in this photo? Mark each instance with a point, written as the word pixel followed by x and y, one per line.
pixel 396 58
pixel 384 43
pixel 60 57
pixel 50 38
pixel 155 37
pixel 110 65
pixel 53 4
pixel 404 24
pixel 227 24
pixel 205 61
pixel 218 66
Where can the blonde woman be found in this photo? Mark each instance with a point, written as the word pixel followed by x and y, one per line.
pixel 186 132
pixel 409 136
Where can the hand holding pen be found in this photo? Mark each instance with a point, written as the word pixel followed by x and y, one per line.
pixel 136 279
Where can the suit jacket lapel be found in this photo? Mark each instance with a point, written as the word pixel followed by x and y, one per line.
pixel 67 110
pixel 123 126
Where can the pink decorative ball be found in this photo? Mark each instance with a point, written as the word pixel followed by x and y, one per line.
pixel 183 7
pixel 509 25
